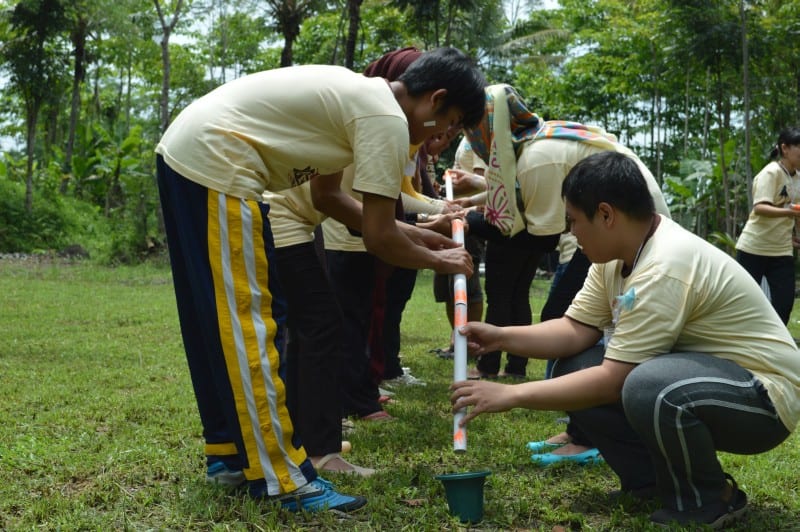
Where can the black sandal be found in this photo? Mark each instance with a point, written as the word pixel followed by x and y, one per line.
pixel 443 353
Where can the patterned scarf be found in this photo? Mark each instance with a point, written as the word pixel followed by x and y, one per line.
pixel 507 124
pixel 562 129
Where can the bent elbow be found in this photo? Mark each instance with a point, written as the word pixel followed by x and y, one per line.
pixel 372 244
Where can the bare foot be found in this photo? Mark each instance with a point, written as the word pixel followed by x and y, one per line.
pixel 559 439
pixel 334 463
pixel 570 449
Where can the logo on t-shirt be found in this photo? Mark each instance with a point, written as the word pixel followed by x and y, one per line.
pixel 784 192
pixel 299 177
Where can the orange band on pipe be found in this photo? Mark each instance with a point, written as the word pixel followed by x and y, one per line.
pixel 460 316
pixel 460 437
pixel 460 296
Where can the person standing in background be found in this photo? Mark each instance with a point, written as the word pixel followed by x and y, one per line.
pixel 766 246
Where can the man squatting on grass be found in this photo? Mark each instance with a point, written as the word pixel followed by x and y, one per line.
pixel 267 132
pixel 696 358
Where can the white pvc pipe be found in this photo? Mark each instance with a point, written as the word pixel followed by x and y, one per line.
pixel 459 319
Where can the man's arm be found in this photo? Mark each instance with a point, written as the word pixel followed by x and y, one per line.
pixel 594 386
pixel 405 245
pixel 396 243
pixel 556 338
pixel 328 198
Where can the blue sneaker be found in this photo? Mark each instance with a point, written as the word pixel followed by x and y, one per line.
pixel 218 473
pixel 319 495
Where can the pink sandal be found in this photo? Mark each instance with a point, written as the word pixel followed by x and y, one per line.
pixel 380 415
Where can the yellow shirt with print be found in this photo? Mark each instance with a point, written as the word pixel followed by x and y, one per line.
pixel 690 296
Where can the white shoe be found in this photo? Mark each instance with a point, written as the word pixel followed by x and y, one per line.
pixel 406 379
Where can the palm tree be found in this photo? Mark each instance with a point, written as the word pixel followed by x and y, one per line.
pixel 288 16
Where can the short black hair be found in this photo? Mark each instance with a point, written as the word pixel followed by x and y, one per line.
pixel 451 69
pixel 612 178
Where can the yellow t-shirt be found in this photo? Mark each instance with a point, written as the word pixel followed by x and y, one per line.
pixel 338 238
pixel 541 168
pixel 335 234
pixel 567 246
pixel 279 128
pixel 689 296
pixel 466 159
pixel 763 235
pixel 292 215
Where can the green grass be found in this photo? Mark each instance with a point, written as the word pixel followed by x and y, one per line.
pixel 99 430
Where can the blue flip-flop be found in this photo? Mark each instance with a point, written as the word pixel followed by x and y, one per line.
pixel 592 456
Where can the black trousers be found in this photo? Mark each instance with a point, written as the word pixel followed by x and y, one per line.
pixel 779 272
pixel 314 349
pixel 399 288
pixel 352 275
pixel 677 411
pixel 510 268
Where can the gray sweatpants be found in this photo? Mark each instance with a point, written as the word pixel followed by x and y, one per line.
pixel 677 410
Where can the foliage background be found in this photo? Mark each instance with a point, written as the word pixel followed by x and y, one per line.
pixel 698 88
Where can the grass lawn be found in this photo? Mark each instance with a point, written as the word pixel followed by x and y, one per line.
pixel 99 429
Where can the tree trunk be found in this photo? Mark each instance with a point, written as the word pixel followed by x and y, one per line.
pixel 437 5
pixel 112 192
pixel 354 16
pixel 128 85
pixel 449 24
pixel 746 86
pixel 706 114
pixel 286 53
pixel 163 102
pixel 653 104
pixel 726 189
pixel 658 137
pixel 165 79
pixel 336 42
pixel 657 111
pixel 166 28
pixel 686 119
pixel 29 149
pixel 79 73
